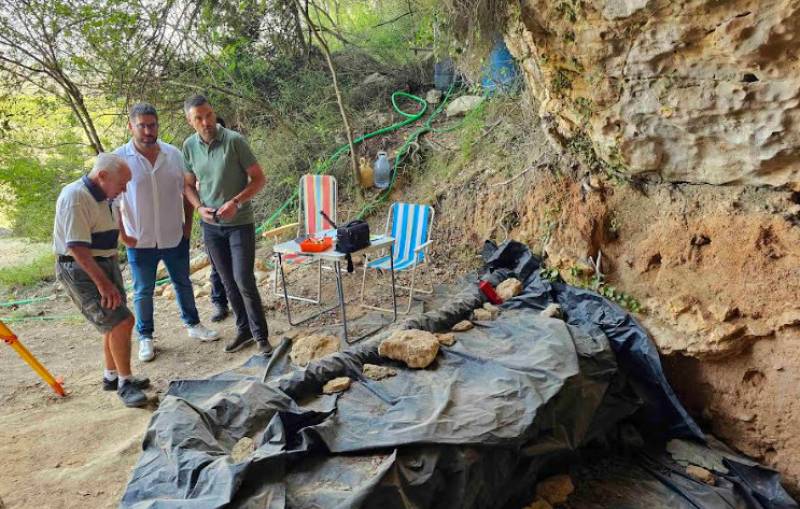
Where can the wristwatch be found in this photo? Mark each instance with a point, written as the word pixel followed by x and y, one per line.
pixel 238 204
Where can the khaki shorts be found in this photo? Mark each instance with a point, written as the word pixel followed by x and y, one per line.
pixel 85 295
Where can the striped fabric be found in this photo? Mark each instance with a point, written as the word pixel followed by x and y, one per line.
pixel 317 193
pixel 410 229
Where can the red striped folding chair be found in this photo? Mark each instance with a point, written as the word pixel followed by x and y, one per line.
pixel 318 193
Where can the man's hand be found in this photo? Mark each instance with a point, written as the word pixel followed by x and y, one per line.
pixel 207 214
pixel 109 295
pixel 227 211
pixel 127 240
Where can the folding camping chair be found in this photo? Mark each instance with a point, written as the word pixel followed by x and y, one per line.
pixel 318 193
pixel 411 225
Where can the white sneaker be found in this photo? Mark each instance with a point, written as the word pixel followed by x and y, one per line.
pixel 198 331
pixel 146 352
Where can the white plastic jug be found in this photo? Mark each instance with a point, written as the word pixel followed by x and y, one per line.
pixel 383 171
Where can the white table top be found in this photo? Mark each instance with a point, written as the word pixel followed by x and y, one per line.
pixel 292 247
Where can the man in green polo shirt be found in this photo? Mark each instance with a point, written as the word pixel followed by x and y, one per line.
pixel 230 176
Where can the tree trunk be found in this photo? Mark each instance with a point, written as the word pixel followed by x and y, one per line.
pixel 339 101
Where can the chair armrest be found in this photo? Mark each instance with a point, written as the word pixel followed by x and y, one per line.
pixel 280 232
pixel 422 246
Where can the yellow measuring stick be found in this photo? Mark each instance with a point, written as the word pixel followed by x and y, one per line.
pixel 11 340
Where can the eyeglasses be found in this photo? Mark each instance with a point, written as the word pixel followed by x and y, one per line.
pixel 142 127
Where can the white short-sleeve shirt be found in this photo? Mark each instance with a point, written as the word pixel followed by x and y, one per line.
pixel 84 217
pixel 152 204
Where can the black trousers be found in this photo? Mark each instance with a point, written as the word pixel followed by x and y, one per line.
pixel 233 252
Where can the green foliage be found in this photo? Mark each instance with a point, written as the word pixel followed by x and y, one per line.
pixel 595 283
pixel 41 268
pixel 471 130
pixel 41 150
pixel 549 273
pixel 561 81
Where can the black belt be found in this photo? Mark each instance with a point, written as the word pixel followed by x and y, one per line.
pixel 67 258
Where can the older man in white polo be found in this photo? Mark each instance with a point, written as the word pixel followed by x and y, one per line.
pixel 85 243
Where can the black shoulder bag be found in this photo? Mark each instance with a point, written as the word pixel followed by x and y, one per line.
pixel 350 238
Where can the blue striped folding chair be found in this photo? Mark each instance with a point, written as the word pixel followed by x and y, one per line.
pixel 410 224
pixel 318 193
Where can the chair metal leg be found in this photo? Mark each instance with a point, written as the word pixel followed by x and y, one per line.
pixel 364 277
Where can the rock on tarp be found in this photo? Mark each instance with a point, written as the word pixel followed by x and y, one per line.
pixel 510 399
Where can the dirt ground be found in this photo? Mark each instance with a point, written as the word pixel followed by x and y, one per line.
pixel 79 451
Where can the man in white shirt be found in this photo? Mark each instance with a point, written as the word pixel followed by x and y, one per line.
pixel 85 242
pixel 156 225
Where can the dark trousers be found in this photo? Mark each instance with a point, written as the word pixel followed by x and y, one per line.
pixel 218 297
pixel 233 252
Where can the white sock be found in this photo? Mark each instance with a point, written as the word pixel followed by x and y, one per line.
pixel 110 374
pixel 124 380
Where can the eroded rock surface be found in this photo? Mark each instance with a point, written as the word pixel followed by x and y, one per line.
pixel 695 91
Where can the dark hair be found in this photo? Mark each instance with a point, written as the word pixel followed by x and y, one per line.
pixel 221 121
pixel 193 102
pixel 140 109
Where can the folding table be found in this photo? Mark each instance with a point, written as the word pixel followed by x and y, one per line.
pixel 292 247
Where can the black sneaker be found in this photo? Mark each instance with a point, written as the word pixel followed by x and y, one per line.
pixel 220 314
pixel 240 341
pixel 131 395
pixel 113 385
pixel 264 348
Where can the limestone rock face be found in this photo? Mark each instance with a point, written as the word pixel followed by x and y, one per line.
pixel 416 348
pixel 695 91
pixel 313 347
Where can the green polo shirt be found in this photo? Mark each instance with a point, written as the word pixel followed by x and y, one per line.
pixel 220 167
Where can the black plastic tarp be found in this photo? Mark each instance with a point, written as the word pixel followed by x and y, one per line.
pixel 510 400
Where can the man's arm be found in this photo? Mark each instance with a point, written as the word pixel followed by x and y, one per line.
pixel 190 194
pixel 255 184
pixel 124 237
pixel 109 294
pixel 188 215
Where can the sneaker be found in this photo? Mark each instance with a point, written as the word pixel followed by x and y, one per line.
pixel 131 396
pixel 146 352
pixel 264 348
pixel 198 331
pixel 220 314
pixel 240 341
pixel 113 385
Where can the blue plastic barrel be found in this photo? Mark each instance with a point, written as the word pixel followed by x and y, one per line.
pixel 444 73
pixel 501 72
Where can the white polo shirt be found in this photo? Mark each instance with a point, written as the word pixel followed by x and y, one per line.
pixel 152 204
pixel 84 217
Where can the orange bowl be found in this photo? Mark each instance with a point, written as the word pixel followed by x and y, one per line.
pixel 312 245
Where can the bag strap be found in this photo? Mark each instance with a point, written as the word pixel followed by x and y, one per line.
pixel 349 259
